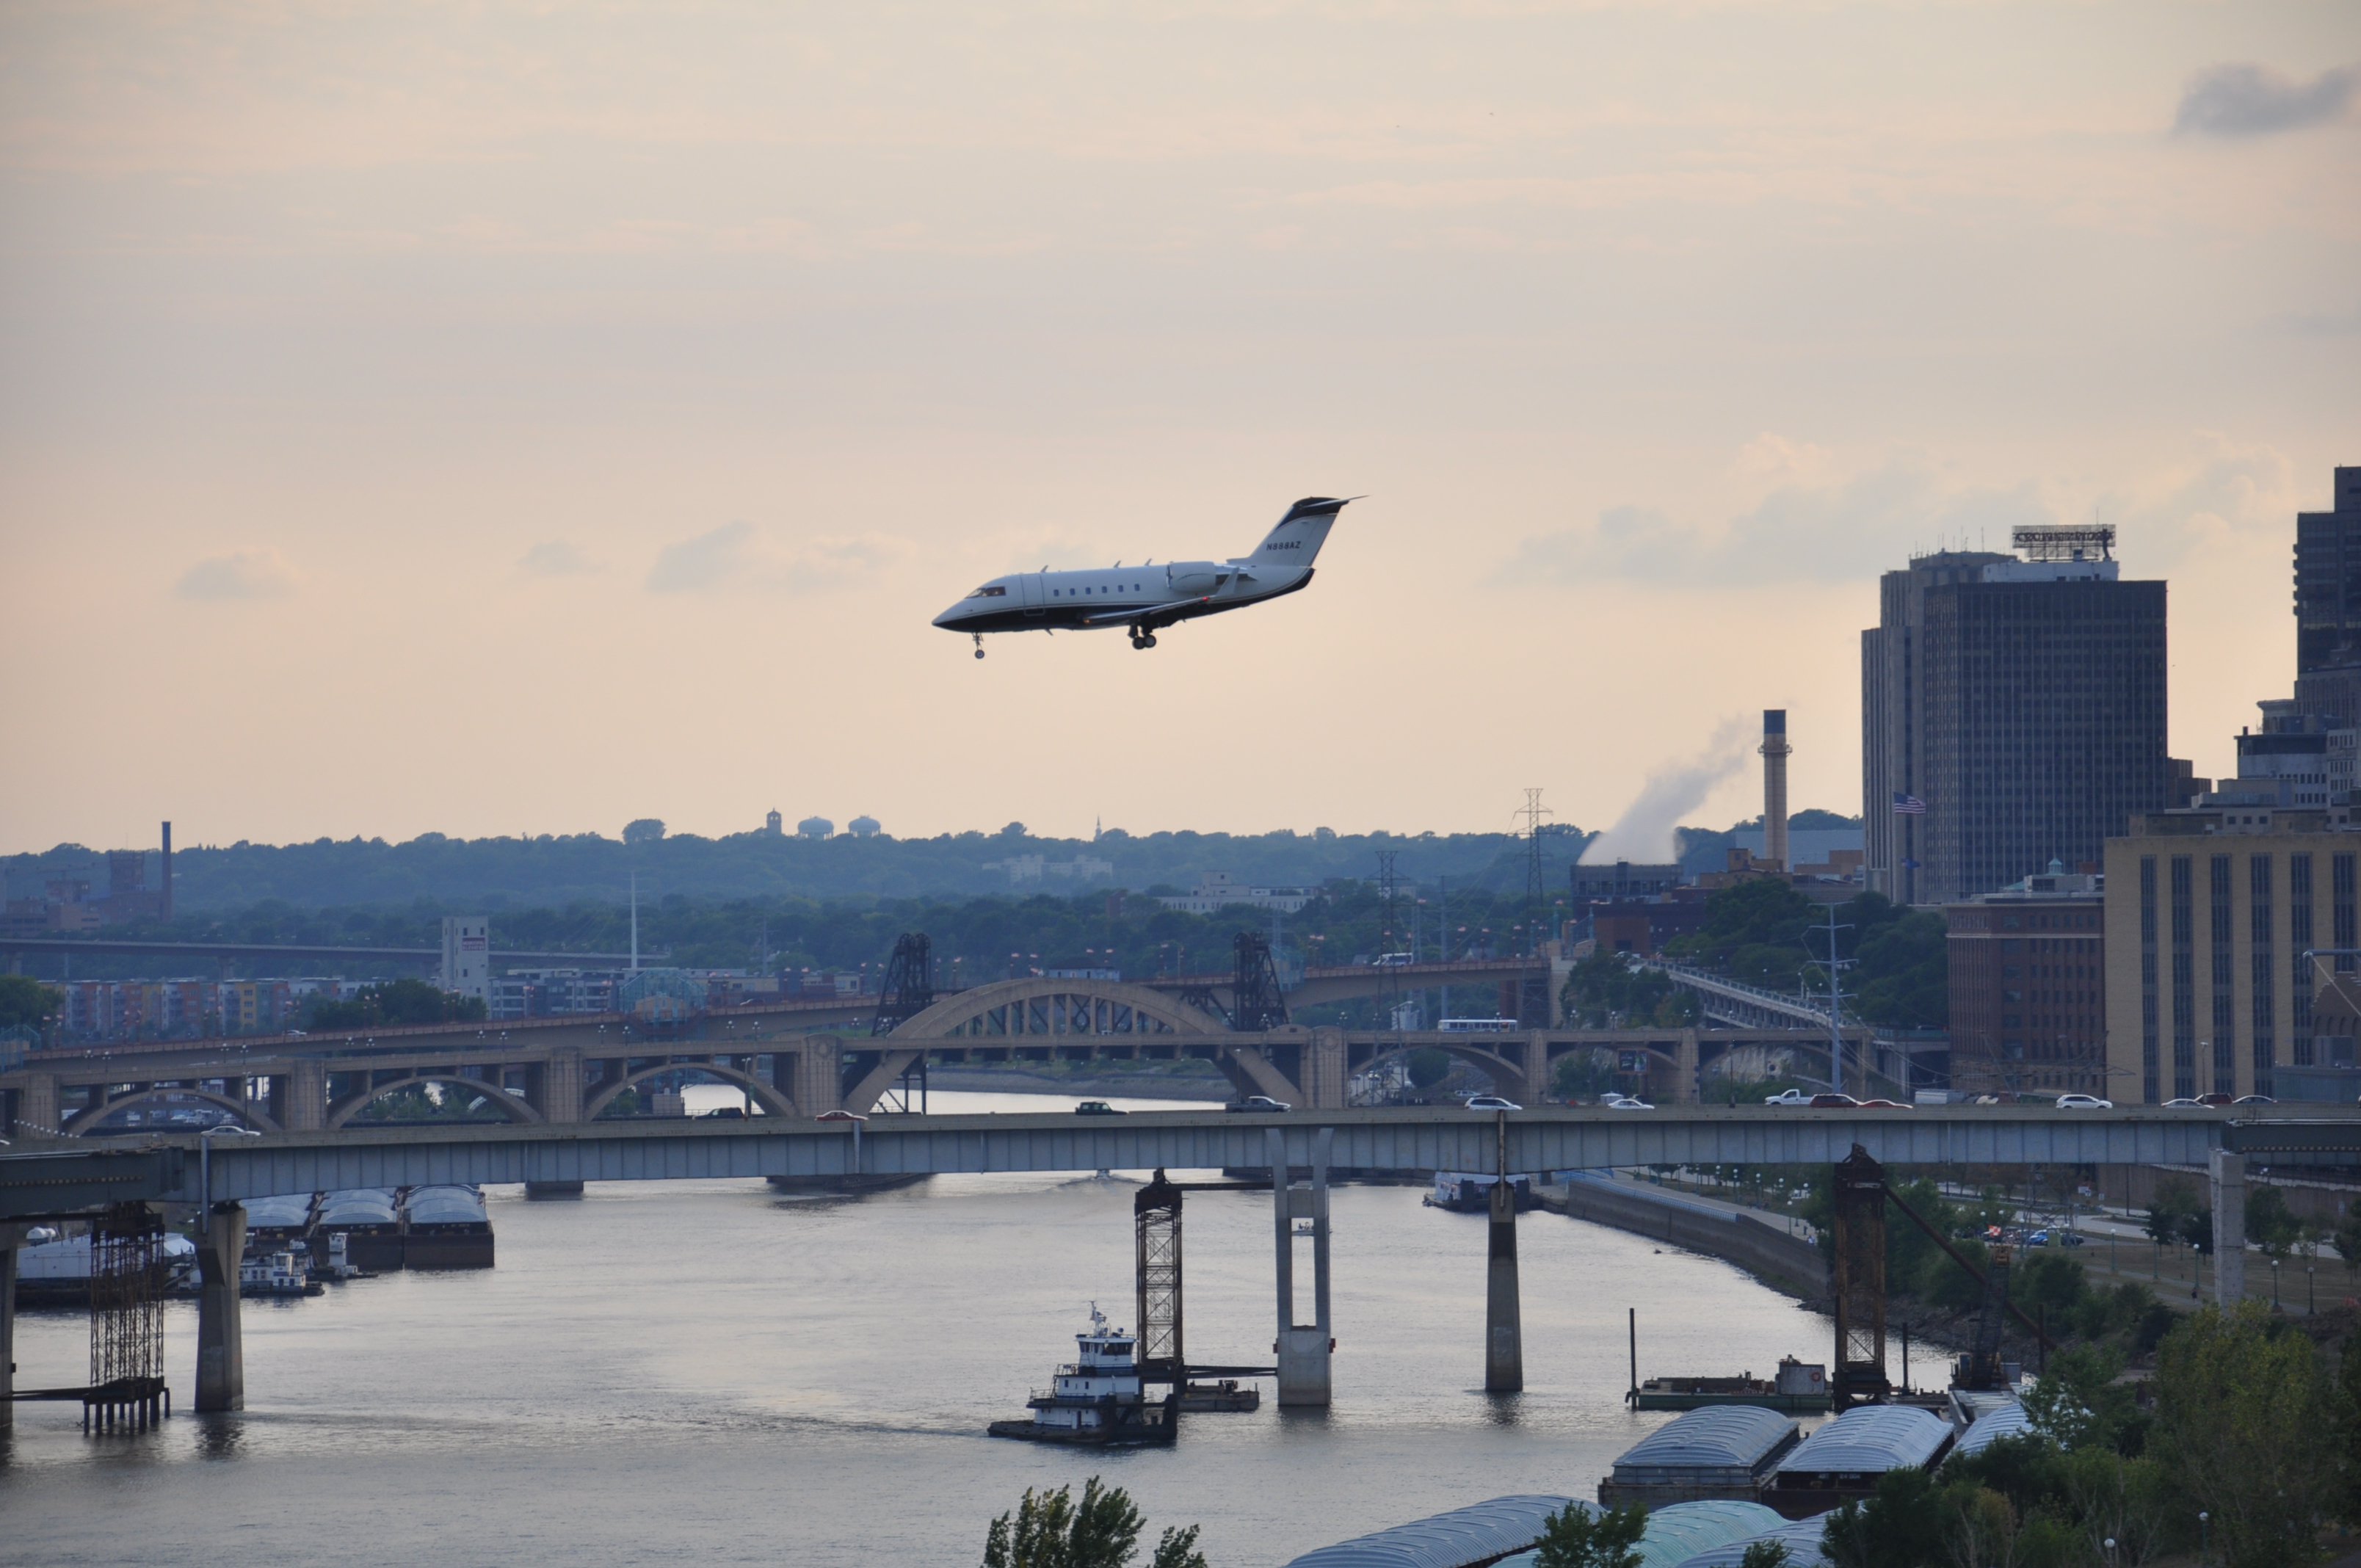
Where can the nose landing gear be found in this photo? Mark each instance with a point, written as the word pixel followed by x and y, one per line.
pixel 979 642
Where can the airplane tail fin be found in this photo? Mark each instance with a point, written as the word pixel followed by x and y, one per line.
pixel 1297 539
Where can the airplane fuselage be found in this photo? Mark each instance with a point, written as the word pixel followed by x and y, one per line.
pixel 1146 598
pixel 1085 601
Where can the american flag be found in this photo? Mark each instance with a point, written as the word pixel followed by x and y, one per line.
pixel 1909 805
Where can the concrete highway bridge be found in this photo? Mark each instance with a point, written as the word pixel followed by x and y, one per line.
pixel 801 1060
pixel 1410 1140
pixel 68 1179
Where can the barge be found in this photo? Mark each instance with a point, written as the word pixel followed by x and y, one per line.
pixel 1799 1390
pixel 1096 1400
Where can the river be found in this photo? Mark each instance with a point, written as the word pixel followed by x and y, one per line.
pixel 712 1373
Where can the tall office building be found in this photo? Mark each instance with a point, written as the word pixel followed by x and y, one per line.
pixel 2013 713
pixel 2328 606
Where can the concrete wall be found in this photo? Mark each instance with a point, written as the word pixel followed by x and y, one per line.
pixel 1788 1263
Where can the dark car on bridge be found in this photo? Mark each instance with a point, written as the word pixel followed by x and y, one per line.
pixel 1095 1108
pixel 1834 1103
pixel 1255 1102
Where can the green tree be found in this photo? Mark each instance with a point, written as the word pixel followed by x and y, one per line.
pixel 27 1002
pixel 2170 1210
pixel 1951 1287
pixel 1901 1525
pixel 2048 1279
pixel 1050 1529
pixel 1429 1066
pixel 1765 1554
pixel 1577 1537
pixel 1583 1074
pixel 2077 1404
pixel 2348 1242
pixel 2027 1468
pixel 1981 1527
pixel 2127 1501
pixel 393 1004
pixel 2348 1417
pixel 2241 1411
pixel 2271 1224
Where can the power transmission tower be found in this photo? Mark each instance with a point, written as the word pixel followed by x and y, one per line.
pixel 1533 814
pixel 1389 886
pixel 1837 967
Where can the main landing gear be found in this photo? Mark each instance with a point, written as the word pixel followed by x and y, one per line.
pixel 1142 639
pixel 979 642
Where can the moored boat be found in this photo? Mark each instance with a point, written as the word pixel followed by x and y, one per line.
pixel 1097 1398
pixel 1800 1388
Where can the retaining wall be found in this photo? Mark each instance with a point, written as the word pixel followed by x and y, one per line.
pixel 1787 1263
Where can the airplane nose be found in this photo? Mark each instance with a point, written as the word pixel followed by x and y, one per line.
pixel 948 618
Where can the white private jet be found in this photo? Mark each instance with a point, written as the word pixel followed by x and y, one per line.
pixel 1147 598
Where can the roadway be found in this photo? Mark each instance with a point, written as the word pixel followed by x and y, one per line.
pixel 121 946
pixel 1408 1140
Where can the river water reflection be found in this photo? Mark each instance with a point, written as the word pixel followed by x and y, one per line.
pixel 711 1373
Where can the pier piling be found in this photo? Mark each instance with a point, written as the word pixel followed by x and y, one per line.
pixel 1504 1339
pixel 221 1342
pixel 1303 1348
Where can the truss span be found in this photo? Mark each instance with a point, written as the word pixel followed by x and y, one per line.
pixel 1039 1006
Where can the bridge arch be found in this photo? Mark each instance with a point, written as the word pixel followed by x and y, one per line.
pixel 773 1102
pixel 1046 1005
pixel 246 1114
pixel 343 1111
pixel 1506 1075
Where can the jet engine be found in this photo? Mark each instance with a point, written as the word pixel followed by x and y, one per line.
pixel 1196 576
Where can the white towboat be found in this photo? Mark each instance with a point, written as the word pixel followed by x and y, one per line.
pixel 1097 1399
pixel 282 1273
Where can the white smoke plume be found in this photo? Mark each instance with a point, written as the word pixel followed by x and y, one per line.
pixel 1645 832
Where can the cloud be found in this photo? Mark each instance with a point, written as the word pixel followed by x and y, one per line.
pixel 246 574
pixel 1645 832
pixel 2255 101
pixel 1834 531
pixel 556 558
pixel 739 555
pixel 707 561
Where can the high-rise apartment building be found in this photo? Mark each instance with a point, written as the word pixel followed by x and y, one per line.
pixel 2013 713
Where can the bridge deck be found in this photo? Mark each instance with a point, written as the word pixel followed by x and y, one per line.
pixel 1405 1139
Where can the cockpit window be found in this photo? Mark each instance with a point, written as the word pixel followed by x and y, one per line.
pixel 990 591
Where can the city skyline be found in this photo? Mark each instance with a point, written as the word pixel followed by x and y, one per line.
pixel 578 421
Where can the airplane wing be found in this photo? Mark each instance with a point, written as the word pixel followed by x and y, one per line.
pixel 1154 615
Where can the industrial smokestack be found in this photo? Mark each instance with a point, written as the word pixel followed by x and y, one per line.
pixel 167 872
pixel 1775 787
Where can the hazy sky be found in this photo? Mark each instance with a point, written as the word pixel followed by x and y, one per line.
pixel 494 418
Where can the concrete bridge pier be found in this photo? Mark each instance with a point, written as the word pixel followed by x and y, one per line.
pixel 11 1238
pixel 1504 1332
pixel 1302 1349
pixel 2229 1184
pixel 221 1340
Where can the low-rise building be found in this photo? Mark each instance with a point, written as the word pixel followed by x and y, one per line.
pixel 2028 988
pixel 552 993
pixel 1029 869
pixel 1216 892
